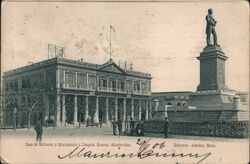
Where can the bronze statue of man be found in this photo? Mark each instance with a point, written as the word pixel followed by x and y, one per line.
pixel 210 29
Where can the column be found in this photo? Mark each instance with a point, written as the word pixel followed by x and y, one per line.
pixel 125 84
pixel 87 83
pixel 150 110
pixel 140 88
pixel 116 85
pixel 19 88
pixel 63 111
pixel 57 112
pixel 76 80
pixel 236 106
pixel 139 109
pixel 46 106
pixel 132 109
pixel 124 109
pixel 107 83
pixel 107 111
pixel 75 110
pixel 156 105
pixel 96 115
pixel 124 115
pixel 236 103
pixel 97 82
pixel 146 117
pixel 57 78
pixel 64 78
pixel 133 86
pixel 44 78
pixel 116 109
pixel 86 108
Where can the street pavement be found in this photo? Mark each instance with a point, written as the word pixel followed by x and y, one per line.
pixel 18 146
pixel 97 132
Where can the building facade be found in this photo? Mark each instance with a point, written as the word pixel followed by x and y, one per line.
pixel 67 91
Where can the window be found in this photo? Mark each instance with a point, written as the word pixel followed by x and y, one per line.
pixel 144 87
pixel 23 83
pixel 92 82
pixel 7 87
pixel 11 86
pixel 112 84
pixel 102 83
pixel 16 85
pixel 122 85
pixel 70 80
pixel 82 81
pixel 28 83
pixel 137 86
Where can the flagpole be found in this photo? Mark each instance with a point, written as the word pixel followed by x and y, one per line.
pixel 110 42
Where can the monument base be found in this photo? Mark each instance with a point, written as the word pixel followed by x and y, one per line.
pixel 212 69
pixel 221 99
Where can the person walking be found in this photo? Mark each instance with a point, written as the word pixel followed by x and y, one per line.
pixel 39 131
pixel 120 126
pixel 132 125
pixel 166 127
pixel 46 121
pixel 101 119
pixel 114 125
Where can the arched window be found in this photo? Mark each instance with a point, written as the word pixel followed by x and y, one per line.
pixel 178 104
pixel 184 104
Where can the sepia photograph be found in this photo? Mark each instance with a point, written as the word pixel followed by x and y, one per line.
pixel 124 82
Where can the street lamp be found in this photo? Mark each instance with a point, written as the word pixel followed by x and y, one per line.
pixel 15 116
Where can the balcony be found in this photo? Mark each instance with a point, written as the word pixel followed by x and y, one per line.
pixel 121 90
pixel 112 90
pixel 104 89
pixel 79 87
pixel 137 92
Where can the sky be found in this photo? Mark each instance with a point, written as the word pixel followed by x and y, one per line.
pixel 161 38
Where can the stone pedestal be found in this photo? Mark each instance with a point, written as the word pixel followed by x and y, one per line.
pixel 236 103
pixel 212 92
pixel 212 69
pixel 221 99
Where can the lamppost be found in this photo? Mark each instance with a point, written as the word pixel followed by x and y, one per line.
pixel 15 116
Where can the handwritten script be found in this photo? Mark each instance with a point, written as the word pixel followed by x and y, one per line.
pixel 145 149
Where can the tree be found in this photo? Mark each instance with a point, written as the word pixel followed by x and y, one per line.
pixel 53 103
pixel 32 100
pixel 9 101
pixel 4 106
pixel 51 94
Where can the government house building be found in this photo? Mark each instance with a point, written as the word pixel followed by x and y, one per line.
pixel 66 91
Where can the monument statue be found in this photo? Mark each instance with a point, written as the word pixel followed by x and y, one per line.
pixel 210 29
